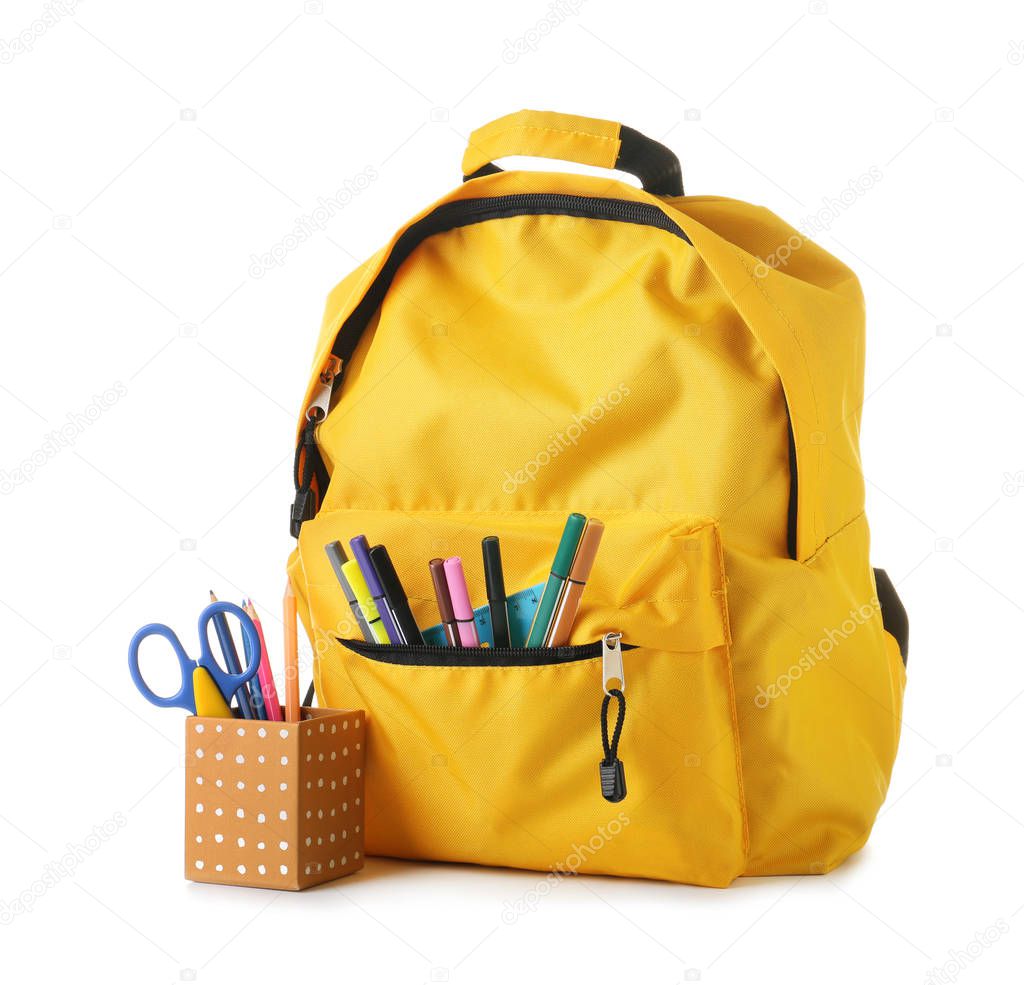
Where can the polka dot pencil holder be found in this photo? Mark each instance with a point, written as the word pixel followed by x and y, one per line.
pixel 274 804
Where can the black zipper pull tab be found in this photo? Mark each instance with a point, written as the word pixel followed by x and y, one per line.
pixel 305 505
pixel 613 774
pixel 613 781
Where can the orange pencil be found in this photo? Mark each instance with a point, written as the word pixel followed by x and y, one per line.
pixel 291 656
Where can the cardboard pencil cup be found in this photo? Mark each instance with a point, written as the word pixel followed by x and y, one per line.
pixel 277 805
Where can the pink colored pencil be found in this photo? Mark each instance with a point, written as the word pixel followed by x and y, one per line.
pixel 271 702
pixel 461 605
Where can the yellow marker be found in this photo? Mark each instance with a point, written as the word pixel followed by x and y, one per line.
pixel 210 702
pixel 357 583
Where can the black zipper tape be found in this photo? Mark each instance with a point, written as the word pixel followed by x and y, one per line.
pixel 474 656
pixel 470 211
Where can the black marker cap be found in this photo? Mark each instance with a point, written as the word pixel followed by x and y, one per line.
pixel 493 575
pixel 394 594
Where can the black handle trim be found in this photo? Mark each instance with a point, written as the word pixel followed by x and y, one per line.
pixel 656 166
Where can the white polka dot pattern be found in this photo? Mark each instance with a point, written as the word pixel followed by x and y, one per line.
pixel 272 804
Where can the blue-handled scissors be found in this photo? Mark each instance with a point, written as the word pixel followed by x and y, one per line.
pixel 195 694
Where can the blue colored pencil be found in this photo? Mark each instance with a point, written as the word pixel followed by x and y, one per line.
pixel 227 646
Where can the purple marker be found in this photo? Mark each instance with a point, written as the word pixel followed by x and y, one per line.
pixel 361 549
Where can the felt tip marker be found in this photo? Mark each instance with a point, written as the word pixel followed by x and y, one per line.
pixel 444 602
pixel 336 555
pixel 354 576
pixel 394 594
pixel 583 563
pixel 560 567
pixel 361 549
pixel 496 601
pixel 461 605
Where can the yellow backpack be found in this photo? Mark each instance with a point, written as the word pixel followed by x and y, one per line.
pixel 688 370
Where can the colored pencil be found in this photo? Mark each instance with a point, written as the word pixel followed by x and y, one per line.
pixel 227 646
pixel 292 712
pixel 271 702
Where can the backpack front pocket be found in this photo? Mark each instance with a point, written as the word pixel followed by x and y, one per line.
pixel 496 755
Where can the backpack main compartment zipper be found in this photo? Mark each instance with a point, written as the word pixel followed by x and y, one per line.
pixel 468 212
pixel 453 215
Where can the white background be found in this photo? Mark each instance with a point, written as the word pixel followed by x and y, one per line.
pixel 149 151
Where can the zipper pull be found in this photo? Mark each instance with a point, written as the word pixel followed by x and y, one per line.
pixel 611 662
pixel 317 410
pixel 304 505
pixel 612 772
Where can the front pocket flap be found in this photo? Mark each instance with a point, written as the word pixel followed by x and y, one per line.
pixel 658 579
pixel 675 579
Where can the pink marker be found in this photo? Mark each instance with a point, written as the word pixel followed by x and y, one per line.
pixel 461 605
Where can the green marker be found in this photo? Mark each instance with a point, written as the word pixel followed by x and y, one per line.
pixel 560 568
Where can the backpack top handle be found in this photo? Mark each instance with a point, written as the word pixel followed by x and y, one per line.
pixel 579 139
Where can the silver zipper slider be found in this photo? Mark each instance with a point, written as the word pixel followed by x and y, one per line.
pixel 317 410
pixel 612 673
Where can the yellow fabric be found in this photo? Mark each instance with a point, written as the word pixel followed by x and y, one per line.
pixel 523 368
pixel 535 133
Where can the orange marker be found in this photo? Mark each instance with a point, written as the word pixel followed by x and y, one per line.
pixel 291 656
pixel 568 606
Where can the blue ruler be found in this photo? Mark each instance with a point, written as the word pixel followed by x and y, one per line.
pixel 521 608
